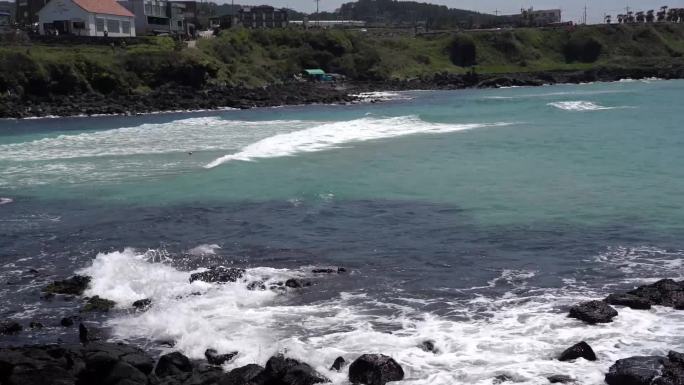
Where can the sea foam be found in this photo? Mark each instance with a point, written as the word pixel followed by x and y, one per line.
pixel 331 135
pixel 580 105
pixel 518 335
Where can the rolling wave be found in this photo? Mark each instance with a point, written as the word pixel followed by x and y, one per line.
pixel 581 105
pixel 330 135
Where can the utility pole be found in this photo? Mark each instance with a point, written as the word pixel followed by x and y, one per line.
pixel 585 14
pixel 318 15
pixel 496 12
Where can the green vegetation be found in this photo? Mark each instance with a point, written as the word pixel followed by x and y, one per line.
pixel 256 58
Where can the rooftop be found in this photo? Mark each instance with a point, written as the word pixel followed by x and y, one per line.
pixel 107 7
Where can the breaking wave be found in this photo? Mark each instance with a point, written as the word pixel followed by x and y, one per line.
pixel 580 106
pixel 330 135
pixel 518 335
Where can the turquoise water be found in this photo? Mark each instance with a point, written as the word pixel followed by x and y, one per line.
pixel 472 218
pixel 548 163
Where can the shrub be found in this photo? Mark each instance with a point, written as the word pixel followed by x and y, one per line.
pixel 462 51
pixel 582 49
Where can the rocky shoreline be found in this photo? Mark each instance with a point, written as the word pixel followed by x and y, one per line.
pixel 171 98
pixel 98 361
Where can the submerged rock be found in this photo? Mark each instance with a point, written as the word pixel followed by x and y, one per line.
pixel 142 304
pixel 256 285
pixel 172 364
pixel 338 364
pixel 36 325
pixel 579 350
pixel 560 379
pixel 218 359
pixel 68 321
pixel 98 304
pixel 218 274
pixel 10 327
pixel 75 285
pixel 295 283
pixel 375 369
pixel 593 312
pixel 428 346
pixel 629 300
pixel 323 271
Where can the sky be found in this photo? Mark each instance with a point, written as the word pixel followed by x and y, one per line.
pixel 572 9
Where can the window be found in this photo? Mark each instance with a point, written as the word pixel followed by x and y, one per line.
pixel 113 26
pixel 180 24
pixel 148 9
pixel 78 25
pixel 99 25
pixel 126 27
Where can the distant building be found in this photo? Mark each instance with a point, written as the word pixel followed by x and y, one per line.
pixel 263 16
pixel 539 18
pixel 27 11
pixel 157 17
pixel 5 21
pixel 192 15
pixel 86 18
pixel 325 24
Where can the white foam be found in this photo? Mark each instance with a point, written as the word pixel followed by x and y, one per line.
pixel 331 135
pixel 480 338
pixel 4 201
pixel 580 105
pixel 204 249
pixel 185 135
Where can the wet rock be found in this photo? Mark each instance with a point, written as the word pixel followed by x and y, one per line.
pixel 98 304
pixel 560 379
pixel 428 346
pixel 36 325
pixel 98 363
pixel 172 364
pixel 167 343
pixel 218 274
pixel 75 285
pixel 142 304
pixel 593 312
pixel 501 378
pixel 86 334
pixel 579 350
pixel 635 371
pixel 287 371
pixel 323 271
pixel 341 270
pixel 68 321
pixel 242 375
pixel 375 369
pixel 10 327
pixel 665 292
pixel 338 364
pixel 295 283
pixel 256 285
pixel 218 359
pixel 629 300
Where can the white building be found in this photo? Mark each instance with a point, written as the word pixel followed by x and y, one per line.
pixel 86 18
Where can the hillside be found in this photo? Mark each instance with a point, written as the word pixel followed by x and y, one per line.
pixel 247 59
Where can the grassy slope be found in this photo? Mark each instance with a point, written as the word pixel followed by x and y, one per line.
pixel 256 58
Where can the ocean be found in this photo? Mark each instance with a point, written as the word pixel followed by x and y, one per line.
pixel 470 218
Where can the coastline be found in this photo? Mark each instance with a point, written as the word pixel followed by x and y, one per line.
pixel 172 98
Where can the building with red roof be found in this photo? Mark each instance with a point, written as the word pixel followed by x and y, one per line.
pixel 86 18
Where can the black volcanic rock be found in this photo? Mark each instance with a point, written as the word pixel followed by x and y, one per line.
pixel 375 369
pixel 172 364
pixel 142 304
pixel 593 312
pixel 295 283
pixel 98 304
pixel 635 371
pixel 10 327
pixel 338 364
pixel 560 379
pixel 242 375
pixel 428 346
pixel 281 370
pixel 579 350
pixel 218 359
pixel 665 292
pixel 629 300
pixel 218 274
pixel 75 285
pixel 323 271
